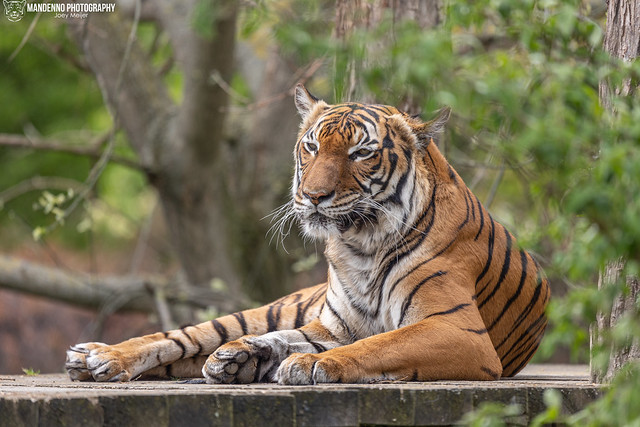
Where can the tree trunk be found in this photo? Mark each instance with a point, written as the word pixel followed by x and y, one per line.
pixel 353 15
pixel 622 40
pixel 189 181
pixel 180 145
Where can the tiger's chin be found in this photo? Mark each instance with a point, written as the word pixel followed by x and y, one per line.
pixel 319 227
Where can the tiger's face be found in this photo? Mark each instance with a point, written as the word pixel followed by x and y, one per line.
pixel 355 168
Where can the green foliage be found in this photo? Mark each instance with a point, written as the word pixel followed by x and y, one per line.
pixel 529 135
pixel 490 414
pixel 522 78
pixel 48 95
pixel 31 372
pixel 619 406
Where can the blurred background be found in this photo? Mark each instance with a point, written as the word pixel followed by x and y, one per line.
pixel 144 152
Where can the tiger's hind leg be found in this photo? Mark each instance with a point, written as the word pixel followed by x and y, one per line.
pixel 436 348
pixel 158 353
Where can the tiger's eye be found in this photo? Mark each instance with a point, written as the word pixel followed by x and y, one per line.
pixel 311 148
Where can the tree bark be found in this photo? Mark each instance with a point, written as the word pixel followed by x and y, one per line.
pixel 622 40
pixel 352 15
pixel 181 144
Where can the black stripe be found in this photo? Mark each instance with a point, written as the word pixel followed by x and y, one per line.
pixel 197 344
pixel 352 299
pixel 491 373
pixel 179 344
pixel 319 348
pixel 475 331
pixel 241 321
pixel 296 298
pixel 415 267
pixel 503 273
pixel 395 257
pixel 525 312
pixel 481 215
pixel 312 300
pixel 183 329
pixel 525 360
pixel 278 314
pixel 452 174
pixel 523 276
pixel 484 271
pixel 524 338
pixel 466 219
pixel 526 345
pixel 402 181
pixel 341 320
pixel 407 301
pixel 299 322
pixel 450 311
pixel 414 377
pixel 473 206
pixel 272 322
pixel 221 330
pixel 387 142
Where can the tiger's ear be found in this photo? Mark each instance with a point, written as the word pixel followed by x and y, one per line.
pixel 431 129
pixel 304 101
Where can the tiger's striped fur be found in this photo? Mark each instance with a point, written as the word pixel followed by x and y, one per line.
pixel 423 283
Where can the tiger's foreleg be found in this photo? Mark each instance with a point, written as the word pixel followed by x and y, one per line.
pixel 187 347
pixel 432 349
pixel 257 358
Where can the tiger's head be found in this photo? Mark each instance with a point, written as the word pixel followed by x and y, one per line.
pixel 358 168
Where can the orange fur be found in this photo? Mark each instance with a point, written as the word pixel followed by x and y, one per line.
pixel 423 284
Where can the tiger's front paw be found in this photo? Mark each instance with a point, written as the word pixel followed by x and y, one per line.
pixel 249 359
pixel 76 363
pixel 308 368
pixel 97 361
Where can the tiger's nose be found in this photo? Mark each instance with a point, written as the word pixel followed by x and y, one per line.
pixel 317 197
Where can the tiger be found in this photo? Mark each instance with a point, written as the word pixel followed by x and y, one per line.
pixel 422 285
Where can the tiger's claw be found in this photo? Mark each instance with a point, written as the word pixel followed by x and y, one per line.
pixel 76 362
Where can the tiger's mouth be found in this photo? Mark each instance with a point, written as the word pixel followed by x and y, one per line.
pixel 355 219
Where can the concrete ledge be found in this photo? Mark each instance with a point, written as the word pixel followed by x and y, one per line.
pixel 52 400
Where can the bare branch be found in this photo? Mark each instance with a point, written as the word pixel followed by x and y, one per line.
pixel 26 37
pixel 136 293
pixel 93 150
pixel 133 90
pixel 39 183
pixel 301 77
pixel 494 187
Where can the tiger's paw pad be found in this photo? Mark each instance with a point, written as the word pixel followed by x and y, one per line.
pixel 240 362
pixel 76 362
pixel 307 368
